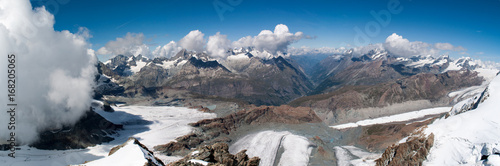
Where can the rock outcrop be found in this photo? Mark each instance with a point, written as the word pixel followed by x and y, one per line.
pixel 216 154
pixel 412 152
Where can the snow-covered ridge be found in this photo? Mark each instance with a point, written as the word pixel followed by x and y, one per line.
pixel 131 153
pixel 465 137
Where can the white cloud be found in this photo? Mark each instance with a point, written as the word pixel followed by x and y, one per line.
pixel 84 32
pixel 218 45
pixel 266 43
pixel 168 50
pixel 403 47
pixel 55 71
pixel 359 51
pixel 193 41
pixel 131 44
pixel 273 42
pixel 400 46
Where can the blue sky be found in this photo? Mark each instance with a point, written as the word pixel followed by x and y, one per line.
pixel 473 25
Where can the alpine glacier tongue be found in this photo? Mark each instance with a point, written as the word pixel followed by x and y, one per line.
pixel 267 144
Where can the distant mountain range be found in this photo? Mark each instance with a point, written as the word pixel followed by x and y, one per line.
pixel 275 79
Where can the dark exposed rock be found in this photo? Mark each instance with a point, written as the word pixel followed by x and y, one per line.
pixel 217 154
pixel 412 152
pixel 208 64
pixel 106 107
pixel 90 130
pixel 104 86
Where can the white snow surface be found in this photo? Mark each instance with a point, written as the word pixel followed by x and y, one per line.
pixel 394 118
pixel 139 65
pixel 351 155
pixel 167 64
pixel 237 57
pixel 425 60
pixel 129 155
pixel 266 145
pixel 151 125
pixel 463 138
pixel 198 161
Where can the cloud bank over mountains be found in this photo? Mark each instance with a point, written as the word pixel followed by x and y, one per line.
pixel 267 42
pixel 54 71
pixel 273 42
pixel 131 44
pixel 399 46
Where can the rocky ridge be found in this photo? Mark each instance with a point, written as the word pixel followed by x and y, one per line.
pixel 217 130
pixel 216 154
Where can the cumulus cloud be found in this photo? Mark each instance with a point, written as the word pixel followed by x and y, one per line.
pixel 131 44
pixel 273 42
pixel 267 43
pixel 218 45
pixel 54 75
pixel 193 41
pixel 168 50
pixel 399 46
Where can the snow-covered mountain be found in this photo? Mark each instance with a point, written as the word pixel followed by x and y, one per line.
pixel 470 134
pixel 272 80
pixel 467 135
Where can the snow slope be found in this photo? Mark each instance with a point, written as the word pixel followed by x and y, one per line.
pixel 267 144
pixel 351 155
pixel 463 138
pixel 129 155
pixel 138 67
pixel 395 118
pixel 150 125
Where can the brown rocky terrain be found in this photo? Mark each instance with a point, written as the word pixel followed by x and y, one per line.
pixel 424 87
pixel 217 129
pixel 217 154
pixel 379 137
pixel 412 152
